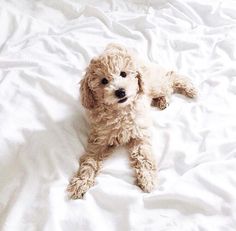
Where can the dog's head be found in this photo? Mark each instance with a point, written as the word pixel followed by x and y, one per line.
pixel 112 79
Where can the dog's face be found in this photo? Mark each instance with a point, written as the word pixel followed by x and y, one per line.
pixel 111 79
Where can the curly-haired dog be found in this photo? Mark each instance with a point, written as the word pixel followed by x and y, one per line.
pixel 118 90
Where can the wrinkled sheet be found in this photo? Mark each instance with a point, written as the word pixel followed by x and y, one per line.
pixel 44 48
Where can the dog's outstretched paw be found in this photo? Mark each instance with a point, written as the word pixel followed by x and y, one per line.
pixel 160 102
pixel 146 180
pixel 78 187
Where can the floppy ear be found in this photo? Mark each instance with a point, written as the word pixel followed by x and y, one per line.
pixel 140 82
pixel 86 93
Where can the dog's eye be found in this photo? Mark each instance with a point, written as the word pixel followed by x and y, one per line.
pixel 104 81
pixel 123 74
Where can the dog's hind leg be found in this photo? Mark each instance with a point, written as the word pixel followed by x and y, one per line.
pixel 172 83
pixel 182 85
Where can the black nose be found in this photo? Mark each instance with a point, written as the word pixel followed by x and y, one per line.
pixel 120 93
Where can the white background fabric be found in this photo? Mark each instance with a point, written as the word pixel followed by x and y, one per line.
pixel 44 48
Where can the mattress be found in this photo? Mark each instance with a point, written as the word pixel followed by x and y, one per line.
pixel 45 47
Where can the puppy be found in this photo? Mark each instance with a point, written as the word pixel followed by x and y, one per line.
pixel 117 91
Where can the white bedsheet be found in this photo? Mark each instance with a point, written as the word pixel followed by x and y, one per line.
pixel 44 48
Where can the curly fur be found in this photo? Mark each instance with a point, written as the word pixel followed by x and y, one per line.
pixel 127 124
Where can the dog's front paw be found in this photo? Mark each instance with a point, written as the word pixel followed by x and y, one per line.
pixel 146 180
pixel 78 187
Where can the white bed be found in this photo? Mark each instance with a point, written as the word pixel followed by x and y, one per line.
pixel 44 48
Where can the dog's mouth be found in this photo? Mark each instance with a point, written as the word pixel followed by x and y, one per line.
pixel 122 100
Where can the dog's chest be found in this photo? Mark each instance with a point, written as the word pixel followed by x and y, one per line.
pixel 115 128
pixel 121 129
